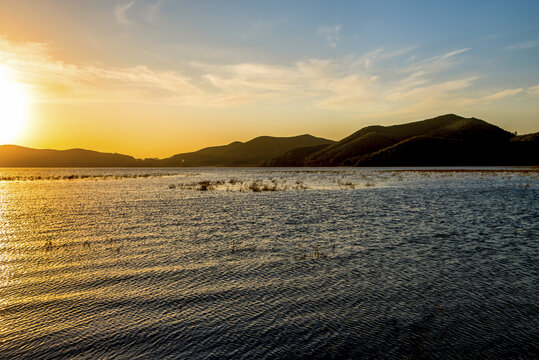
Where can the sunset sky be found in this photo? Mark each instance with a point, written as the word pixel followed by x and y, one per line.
pixel 152 78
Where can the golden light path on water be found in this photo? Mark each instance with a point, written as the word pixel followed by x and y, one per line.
pixel 4 268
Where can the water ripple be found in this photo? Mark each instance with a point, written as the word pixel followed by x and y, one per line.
pixel 423 264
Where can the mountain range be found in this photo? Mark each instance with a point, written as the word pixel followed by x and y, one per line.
pixel 447 140
pixel 256 152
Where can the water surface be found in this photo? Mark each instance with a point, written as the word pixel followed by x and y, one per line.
pixel 269 263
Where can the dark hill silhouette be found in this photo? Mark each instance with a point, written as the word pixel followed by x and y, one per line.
pixel 523 150
pixel 256 152
pixel 444 140
pixel 13 155
pixel 447 140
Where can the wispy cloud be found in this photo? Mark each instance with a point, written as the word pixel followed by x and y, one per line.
pixel 503 94
pixel 434 64
pixel 489 98
pixel 524 45
pixel 152 10
pixel 120 13
pixel 263 25
pixel 351 83
pixel 534 90
pixel 53 80
pixel 330 33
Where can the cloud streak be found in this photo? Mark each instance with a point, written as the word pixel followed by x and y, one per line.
pixel 534 90
pixel 53 80
pixel 120 13
pixel 351 84
pixel 524 45
pixel 503 94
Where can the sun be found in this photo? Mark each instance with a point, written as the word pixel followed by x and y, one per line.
pixel 13 106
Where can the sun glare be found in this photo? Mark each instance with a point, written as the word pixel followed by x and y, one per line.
pixel 13 106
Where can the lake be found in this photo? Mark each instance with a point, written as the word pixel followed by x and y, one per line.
pixel 266 263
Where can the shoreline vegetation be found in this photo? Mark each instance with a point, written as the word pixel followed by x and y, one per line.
pixel 447 140
pixel 360 181
pixel 275 179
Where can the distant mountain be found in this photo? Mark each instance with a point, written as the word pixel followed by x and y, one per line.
pixel 12 155
pixel 447 140
pixel 444 140
pixel 256 152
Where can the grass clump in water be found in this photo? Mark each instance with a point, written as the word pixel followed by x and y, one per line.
pixel 347 184
pixel 209 185
pixel 316 254
pixel 233 184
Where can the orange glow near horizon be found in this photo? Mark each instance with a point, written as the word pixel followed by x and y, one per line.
pixel 14 102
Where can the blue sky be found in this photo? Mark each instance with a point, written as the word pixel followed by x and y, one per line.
pixel 248 68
